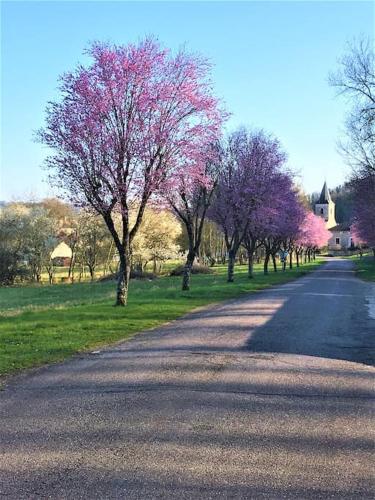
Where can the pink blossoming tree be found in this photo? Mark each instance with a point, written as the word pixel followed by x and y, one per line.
pixel 275 225
pixel 364 212
pixel 313 235
pixel 123 127
pixel 281 222
pixel 190 198
pixel 252 162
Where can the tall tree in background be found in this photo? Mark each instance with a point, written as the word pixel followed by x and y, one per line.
pixel 356 80
pixel 156 240
pixel 275 225
pixel 252 161
pixel 122 127
pixel 190 198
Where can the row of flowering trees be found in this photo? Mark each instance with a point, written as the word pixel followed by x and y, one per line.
pixel 141 126
pixel 257 205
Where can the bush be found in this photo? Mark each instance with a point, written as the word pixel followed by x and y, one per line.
pixel 196 269
pixel 141 275
pixel 134 274
pixel 12 270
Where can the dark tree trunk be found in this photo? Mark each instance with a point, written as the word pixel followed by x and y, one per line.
pixel 92 272
pixel 274 262
pixel 266 261
pixel 231 261
pixel 70 270
pixel 291 260
pixel 187 270
pixel 250 264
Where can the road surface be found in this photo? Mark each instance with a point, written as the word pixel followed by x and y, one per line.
pixel 268 396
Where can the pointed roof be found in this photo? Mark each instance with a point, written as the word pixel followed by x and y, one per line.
pixel 325 197
pixel 62 251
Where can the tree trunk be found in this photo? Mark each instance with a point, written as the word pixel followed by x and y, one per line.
pixel 250 265
pixel 187 270
pixel 274 262
pixel 297 258
pixel 70 266
pixel 291 260
pixel 266 260
pixel 240 259
pixel 231 261
pixel 92 272
pixel 123 281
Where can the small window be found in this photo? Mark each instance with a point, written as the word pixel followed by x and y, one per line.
pixel 322 211
pixel 337 241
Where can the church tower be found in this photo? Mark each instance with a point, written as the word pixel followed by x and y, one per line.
pixel 326 208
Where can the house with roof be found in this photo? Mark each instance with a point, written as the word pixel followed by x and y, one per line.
pixel 341 240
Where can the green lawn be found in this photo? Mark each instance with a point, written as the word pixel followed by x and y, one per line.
pixel 365 267
pixel 43 324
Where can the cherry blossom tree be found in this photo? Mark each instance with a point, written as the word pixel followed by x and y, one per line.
pixel 313 235
pixel 282 221
pixel 252 162
pixel 123 126
pixel 275 224
pixel 356 238
pixel 364 212
pixel 190 198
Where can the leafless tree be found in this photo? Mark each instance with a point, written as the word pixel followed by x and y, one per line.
pixel 355 80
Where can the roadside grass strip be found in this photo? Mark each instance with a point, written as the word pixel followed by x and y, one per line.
pixel 49 323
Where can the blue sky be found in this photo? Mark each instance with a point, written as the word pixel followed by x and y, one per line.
pixel 271 62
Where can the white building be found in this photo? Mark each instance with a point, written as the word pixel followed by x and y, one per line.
pixel 340 240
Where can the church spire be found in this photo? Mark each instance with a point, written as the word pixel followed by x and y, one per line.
pixel 325 197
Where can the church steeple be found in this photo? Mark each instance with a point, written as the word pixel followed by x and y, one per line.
pixel 325 196
pixel 325 207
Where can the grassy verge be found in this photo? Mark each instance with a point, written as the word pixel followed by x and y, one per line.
pixel 365 267
pixel 44 324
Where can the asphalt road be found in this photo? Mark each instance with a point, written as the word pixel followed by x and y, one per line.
pixel 269 396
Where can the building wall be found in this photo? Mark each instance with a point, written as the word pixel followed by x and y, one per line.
pixel 327 211
pixel 345 240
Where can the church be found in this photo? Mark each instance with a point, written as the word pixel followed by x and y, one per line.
pixel 340 241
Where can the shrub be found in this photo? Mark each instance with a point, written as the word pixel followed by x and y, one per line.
pixel 134 274
pixel 196 269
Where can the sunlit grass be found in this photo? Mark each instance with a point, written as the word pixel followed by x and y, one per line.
pixel 42 324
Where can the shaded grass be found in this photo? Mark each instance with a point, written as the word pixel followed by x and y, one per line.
pixel 43 324
pixel 365 267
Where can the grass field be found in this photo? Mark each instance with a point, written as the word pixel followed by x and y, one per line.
pixel 61 273
pixel 43 324
pixel 365 267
